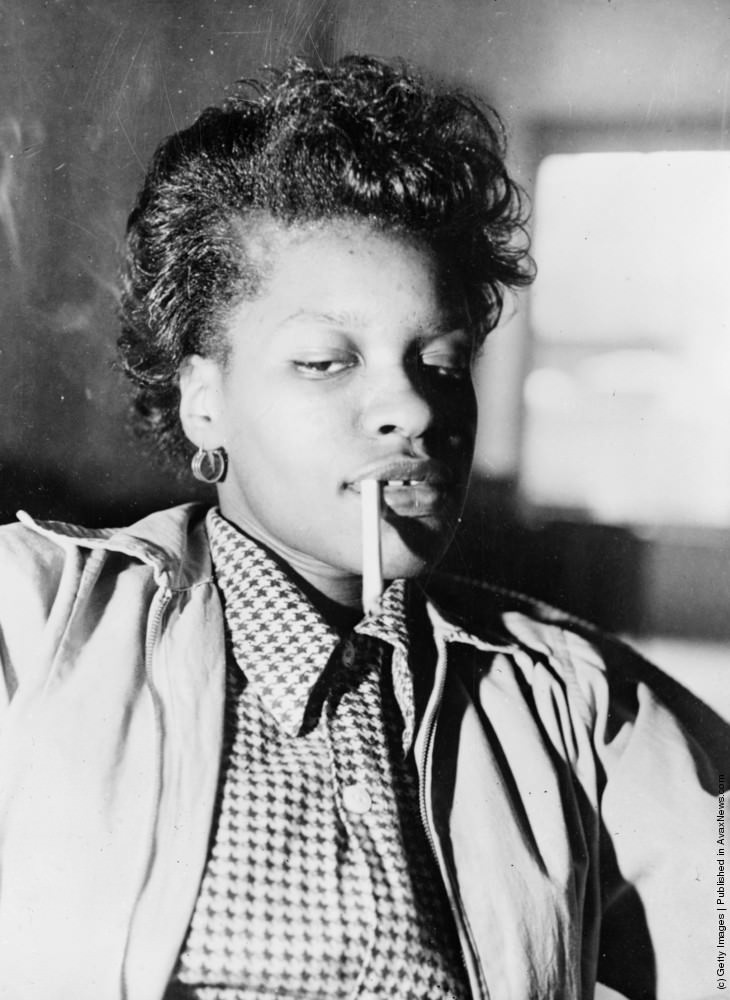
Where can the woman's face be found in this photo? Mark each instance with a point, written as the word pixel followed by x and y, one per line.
pixel 354 362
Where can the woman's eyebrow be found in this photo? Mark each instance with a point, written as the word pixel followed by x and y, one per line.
pixel 449 326
pixel 342 319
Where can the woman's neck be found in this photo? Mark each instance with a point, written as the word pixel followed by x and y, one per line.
pixel 337 596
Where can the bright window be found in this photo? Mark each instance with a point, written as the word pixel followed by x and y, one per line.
pixel 627 400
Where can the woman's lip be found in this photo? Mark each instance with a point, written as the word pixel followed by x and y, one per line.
pixel 403 483
pixel 404 474
pixel 416 499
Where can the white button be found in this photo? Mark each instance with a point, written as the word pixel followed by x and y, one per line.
pixel 356 799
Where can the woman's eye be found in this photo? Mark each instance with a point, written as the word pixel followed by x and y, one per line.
pixel 320 368
pixel 447 366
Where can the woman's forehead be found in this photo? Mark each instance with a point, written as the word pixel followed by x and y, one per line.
pixel 341 242
pixel 350 273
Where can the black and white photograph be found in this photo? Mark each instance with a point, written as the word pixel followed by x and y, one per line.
pixel 364 499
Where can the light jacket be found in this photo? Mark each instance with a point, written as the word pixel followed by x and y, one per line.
pixel 572 817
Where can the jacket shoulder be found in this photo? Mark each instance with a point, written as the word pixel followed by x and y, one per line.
pixel 488 610
pixel 31 566
pixel 32 569
pixel 595 665
pixel 586 659
pixel 171 542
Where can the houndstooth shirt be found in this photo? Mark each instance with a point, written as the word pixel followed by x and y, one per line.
pixel 319 882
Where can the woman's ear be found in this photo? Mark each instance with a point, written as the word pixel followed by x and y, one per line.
pixel 201 402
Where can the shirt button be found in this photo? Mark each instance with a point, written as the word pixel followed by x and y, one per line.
pixel 348 654
pixel 356 799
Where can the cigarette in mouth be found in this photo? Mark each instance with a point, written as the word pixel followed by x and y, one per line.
pixel 372 566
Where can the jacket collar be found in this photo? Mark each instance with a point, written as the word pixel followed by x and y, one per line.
pixel 469 611
pixel 173 542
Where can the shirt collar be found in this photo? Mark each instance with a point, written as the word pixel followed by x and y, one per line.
pixel 390 624
pixel 280 640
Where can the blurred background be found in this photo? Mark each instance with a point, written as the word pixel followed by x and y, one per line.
pixel 602 479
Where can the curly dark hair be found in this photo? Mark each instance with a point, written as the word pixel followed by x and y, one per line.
pixel 363 138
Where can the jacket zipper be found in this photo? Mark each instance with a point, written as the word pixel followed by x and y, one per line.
pixel 162 598
pixel 468 958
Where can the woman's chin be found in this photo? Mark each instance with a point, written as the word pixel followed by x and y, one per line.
pixel 412 546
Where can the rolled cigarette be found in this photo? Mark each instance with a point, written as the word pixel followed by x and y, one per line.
pixel 372 566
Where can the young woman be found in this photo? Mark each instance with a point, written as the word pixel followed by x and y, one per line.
pixel 219 778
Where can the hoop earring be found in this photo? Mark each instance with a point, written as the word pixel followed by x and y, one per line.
pixel 209 466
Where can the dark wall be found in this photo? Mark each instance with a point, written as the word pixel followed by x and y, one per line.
pixel 87 89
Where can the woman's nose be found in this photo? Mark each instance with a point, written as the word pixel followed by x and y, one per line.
pixel 397 406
